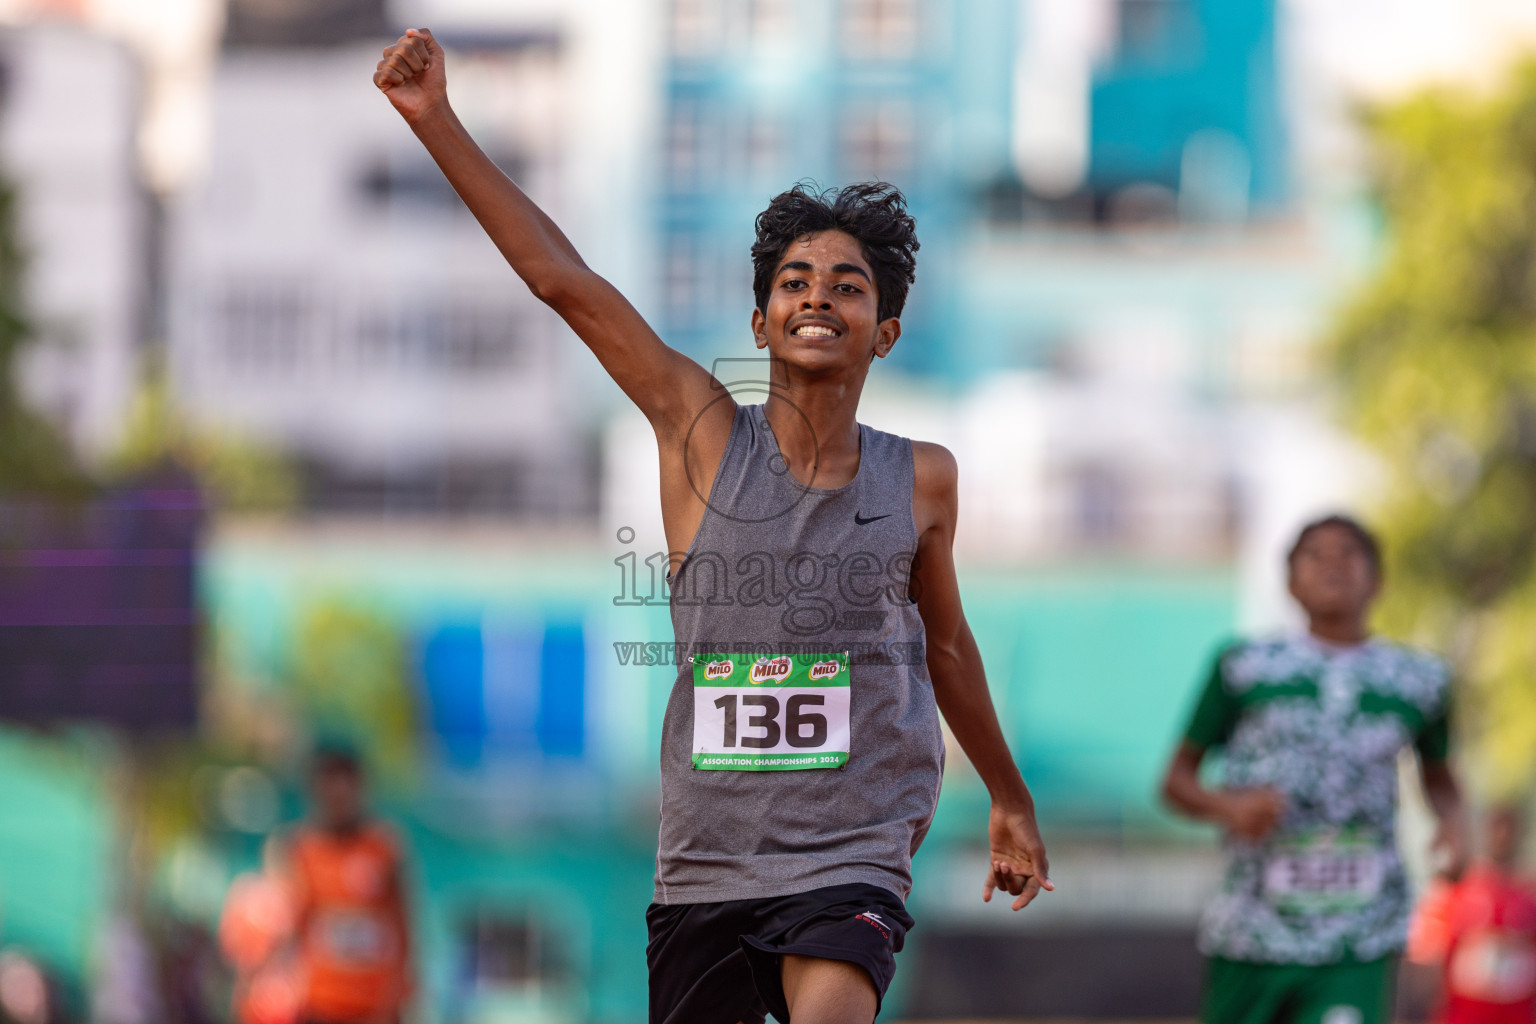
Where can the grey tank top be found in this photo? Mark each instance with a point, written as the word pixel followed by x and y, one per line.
pixel 779 568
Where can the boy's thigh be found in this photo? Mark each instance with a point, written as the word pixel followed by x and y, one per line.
pixel 1237 992
pixel 860 925
pixel 1344 993
pixel 698 971
pixel 817 989
pixel 723 961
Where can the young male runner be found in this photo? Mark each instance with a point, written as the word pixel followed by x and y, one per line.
pixel 801 752
pixel 1314 908
pixel 350 917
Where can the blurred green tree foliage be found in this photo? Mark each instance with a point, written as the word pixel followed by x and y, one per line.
pixel 1437 358
pixel 351 678
pixel 34 458
pixel 235 474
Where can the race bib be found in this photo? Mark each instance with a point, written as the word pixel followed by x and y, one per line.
pixel 355 936
pixel 1493 966
pixel 770 714
pixel 1324 872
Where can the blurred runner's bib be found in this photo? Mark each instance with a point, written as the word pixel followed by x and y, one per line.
pixel 356 937
pixel 1494 966
pixel 756 713
pixel 1324 871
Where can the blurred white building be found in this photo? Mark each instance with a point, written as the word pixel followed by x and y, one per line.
pixel 331 296
pixel 68 119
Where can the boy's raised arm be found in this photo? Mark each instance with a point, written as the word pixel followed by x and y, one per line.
pixel 668 387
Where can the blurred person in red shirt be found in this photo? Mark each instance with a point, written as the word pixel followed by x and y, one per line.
pixel 256 935
pixel 1480 932
pixel 350 915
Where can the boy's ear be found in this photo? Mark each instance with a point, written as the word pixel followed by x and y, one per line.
pixel 886 336
pixel 759 329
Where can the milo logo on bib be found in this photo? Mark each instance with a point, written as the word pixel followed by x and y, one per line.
pixel 825 669
pixel 789 713
pixel 766 670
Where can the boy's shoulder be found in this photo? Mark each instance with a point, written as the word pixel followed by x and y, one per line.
pixel 931 457
pixel 1385 663
pixel 935 473
pixel 1247 661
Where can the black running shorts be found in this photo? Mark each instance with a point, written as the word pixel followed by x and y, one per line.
pixel 718 963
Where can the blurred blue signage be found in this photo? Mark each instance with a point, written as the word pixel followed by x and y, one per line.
pixel 503 690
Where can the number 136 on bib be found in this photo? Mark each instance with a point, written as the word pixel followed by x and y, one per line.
pixel 760 713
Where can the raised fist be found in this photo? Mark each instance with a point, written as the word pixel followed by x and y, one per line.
pixel 412 74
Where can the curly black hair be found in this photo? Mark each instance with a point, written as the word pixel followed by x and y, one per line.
pixel 1357 531
pixel 873 212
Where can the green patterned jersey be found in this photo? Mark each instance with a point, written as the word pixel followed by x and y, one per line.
pixel 1323 725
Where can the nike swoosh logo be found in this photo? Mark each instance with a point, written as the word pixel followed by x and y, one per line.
pixel 872 519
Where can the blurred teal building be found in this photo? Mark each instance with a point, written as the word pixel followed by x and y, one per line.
pixel 1191 91
pixel 761 95
pixel 1183 124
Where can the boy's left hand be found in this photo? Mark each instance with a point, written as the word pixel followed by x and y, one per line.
pixel 1017 862
pixel 1448 850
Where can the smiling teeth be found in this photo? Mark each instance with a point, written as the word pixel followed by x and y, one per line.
pixel 812 331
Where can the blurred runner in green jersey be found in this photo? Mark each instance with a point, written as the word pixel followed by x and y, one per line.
pixel 1313 911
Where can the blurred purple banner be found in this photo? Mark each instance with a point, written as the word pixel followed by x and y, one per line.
pixel 97 607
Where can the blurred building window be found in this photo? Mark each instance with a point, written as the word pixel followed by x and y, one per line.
pixel 442 338
pixel 460 485
pixel 878 143
pixel 1158 33
pixel 1142 204
pixel 512 960
pixel 410 182
pixel 279 23
pixel 764 147
pixel 476 340
pixel 1215 176
pixel 683 139
pixel 880 28
pixel 684 282
pixel 263 324
pixel 1100 504
pixel 769 19
pixel 695 27
pixel 506 951
pixel 1232 503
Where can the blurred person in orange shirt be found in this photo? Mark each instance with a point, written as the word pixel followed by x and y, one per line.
pixel 351 925
pixel 1480 932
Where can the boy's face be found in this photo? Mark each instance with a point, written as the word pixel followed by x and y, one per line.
pixel 822 307
pixel 339 796
pixel 1332 575
pixel 1506 827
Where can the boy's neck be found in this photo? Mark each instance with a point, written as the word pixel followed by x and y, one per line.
pixel 343 829
pixel 817 425
pixel 1342 631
